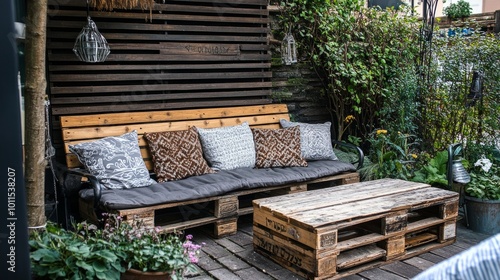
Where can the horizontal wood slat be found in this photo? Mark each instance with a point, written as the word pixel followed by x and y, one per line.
pixel 224 7
pixel 121 107
pixel 151 97
pixel 163 16
pixel 247 2
pixel 164 37
pixel 151 46
pixel 157 27
pixel 189 54
pixel 160 76
pixel 157 87
pixel 155 67
pixel 159 58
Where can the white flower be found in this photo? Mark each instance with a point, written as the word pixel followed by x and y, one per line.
pixel 484 163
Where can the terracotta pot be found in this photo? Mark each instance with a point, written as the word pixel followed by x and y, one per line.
pixel 134 274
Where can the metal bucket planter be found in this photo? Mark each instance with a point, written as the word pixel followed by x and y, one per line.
pixel 483 215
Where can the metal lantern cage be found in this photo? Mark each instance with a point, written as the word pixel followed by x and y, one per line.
pixel 288 50
pixel 90 45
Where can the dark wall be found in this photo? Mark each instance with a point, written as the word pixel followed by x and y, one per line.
pixel 186 54
pixel 296 85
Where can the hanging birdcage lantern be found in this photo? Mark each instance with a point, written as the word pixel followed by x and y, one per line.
pixel 288 50
pixel 90 45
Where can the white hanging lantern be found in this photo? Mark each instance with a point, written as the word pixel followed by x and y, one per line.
pixel 288 50
pixel 90 45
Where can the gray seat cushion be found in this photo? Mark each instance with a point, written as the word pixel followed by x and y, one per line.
pixel 222 182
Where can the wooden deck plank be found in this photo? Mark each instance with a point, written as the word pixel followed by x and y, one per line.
pixel 271 269
pixel 419 263
pixel 379 274
pixel 402 269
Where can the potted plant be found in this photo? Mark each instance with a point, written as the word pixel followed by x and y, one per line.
pixel 460 9
pixel 483 197
pixel 60 254
pixel 119 250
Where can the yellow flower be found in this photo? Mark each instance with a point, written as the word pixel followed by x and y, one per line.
pixel 349 119
pixel 381 131
pixel 413 155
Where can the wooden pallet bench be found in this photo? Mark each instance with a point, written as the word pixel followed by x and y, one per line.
pixel 335 232
pixel 223 210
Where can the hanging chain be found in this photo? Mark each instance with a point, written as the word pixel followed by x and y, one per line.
pixel 88 9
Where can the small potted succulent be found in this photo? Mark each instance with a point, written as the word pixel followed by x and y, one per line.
pixel 117 250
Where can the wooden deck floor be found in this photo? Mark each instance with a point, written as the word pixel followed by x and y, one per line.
pixel 233 257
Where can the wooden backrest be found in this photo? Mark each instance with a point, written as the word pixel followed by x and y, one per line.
pixel 81 128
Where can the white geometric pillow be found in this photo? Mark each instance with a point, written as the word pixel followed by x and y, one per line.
pixel 115 161
pixel 315 140
pixel 229 147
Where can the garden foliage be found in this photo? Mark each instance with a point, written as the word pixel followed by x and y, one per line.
pixel 361 55
pixel 460 9
pixel 450 113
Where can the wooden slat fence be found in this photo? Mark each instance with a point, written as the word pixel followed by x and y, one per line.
pixel 189 54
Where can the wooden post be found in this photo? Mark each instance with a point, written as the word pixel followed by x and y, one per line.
pixel 34 97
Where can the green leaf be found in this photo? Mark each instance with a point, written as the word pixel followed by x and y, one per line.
pixel 46 255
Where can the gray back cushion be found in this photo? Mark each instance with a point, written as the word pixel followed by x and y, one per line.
pixel 229 147
pixel 315 140
pixel 115 161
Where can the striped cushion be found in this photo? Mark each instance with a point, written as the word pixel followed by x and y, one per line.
pixel 481 261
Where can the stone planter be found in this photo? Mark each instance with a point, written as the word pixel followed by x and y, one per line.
pixel 134 274
pixel 483 215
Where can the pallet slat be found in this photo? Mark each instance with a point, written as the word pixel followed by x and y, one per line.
pixel 359 255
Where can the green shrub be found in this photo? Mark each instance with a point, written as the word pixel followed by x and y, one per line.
pixel 460 9
pixel 358 53
pixel 446 112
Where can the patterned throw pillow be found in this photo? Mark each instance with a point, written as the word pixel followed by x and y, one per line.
pixel 315 140
pixel 115 161
pixel 229 147
pixel 278 147
pixel 177 154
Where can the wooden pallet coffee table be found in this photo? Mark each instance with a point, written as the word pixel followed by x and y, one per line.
pixel 338 231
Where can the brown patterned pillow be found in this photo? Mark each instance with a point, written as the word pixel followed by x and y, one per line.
pixel 278 147
pixel 177 154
